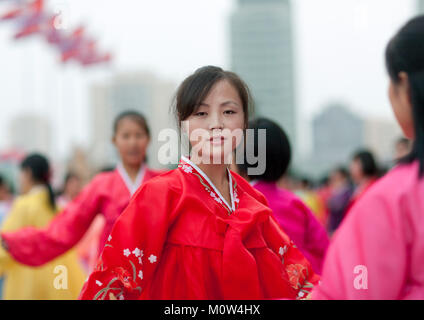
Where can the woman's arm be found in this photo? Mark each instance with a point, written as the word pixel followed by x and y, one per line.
pixel 36 247
pixel 134 247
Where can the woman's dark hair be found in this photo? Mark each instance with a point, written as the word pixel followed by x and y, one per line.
pixel 368 164
pixel 405 53
pixel 342 171
pixel 39 167
pixel 278 151
pixel 194 89
pixel 135 116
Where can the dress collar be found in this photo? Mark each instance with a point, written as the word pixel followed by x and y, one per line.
pixel 183 164
pixel 132 186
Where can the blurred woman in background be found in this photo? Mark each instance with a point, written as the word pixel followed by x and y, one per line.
pixel 107 194
pixel 295 218
pixel 378 251
pixel 36 207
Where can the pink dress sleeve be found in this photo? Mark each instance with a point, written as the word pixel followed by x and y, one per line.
pixel 368 255
pixel 35 247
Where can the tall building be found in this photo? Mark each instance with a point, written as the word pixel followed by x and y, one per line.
pixel 262 54
pixel 31 133
pixel 420 5
pixel 142 92
pixel 337 133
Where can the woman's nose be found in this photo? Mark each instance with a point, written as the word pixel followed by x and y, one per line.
pixel 215 122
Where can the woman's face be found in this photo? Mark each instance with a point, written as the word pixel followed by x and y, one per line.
pixel 131 140
pixel 356 171
pixel 401 105
pixel 216 128
pixel 25 181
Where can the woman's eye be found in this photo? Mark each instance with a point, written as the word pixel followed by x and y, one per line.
pixel 229 112
pixel 200 114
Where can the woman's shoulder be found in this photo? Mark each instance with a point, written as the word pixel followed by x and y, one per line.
pixel 396 194
pixel 399 181
pixel 167 181
pixel 246 187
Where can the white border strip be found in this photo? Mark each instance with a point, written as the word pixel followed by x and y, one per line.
pixel 132 187
pixel 232 208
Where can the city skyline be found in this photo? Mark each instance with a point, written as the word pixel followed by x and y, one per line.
pixel 344 64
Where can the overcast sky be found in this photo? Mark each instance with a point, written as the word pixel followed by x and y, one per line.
pixel 339 47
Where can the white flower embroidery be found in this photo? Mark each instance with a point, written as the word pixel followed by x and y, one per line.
pixel 187 169
pixel 136 252
pixel 109 238
pixel 127 252
pixel 99 283
pixel 213 195
pixel 140 275
pixel 236 199
pixel 152 258
pixel 140 261
pixel 121 297
pixel 301 294
pixel 282 250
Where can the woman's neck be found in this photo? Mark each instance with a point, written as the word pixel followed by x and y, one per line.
pixel 217 173
pixel 132 170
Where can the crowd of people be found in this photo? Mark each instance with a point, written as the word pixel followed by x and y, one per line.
pixel 219 230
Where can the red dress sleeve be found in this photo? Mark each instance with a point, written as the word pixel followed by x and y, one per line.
pixel 35 247
pixel 134 247
pixel 298 270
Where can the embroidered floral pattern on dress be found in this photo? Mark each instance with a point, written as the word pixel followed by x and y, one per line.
pixel 121 275
pixel 189 169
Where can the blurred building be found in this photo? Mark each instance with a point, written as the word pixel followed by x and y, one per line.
pixel 31 133
pixel 142 92
pixel 420 4
pixel 262 54
pixel 337 133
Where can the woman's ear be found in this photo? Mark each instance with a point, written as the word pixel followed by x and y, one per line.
pixel 404 89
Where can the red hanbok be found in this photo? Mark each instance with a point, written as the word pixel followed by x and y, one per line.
pixel 180 239
pixel 108 194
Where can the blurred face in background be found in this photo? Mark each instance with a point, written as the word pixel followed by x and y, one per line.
pixel 337 180
pixel 131 140
pixel 356 171
pixel 212 125
pixel 25 180
pixel 73 187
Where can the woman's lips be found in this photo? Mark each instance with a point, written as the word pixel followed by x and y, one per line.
pixel 217 140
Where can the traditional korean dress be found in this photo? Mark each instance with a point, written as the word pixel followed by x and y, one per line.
pixel 180 239
pixel 60 279
pixel 107 194
pixel 297 220
pixel 378 251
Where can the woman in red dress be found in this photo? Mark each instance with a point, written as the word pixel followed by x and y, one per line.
pixel 201 231
pixel 107 194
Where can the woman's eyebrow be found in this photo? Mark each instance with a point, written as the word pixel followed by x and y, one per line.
pixel 229 102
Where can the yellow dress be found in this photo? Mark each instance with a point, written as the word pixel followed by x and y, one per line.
pixel 59 279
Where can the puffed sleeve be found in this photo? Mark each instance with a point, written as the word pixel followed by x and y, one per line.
pixel 35 247
pixel 134 247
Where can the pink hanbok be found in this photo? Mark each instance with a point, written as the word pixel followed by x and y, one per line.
pixel 297 220
pixel 378 251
